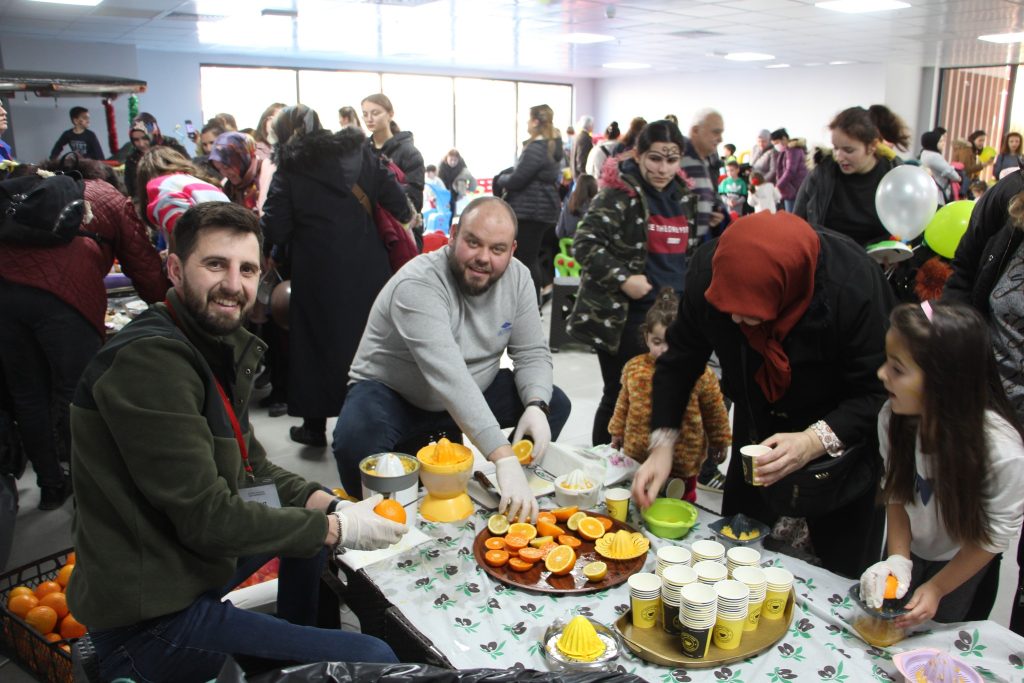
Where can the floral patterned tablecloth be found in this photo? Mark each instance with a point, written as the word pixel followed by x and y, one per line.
pixel 478 622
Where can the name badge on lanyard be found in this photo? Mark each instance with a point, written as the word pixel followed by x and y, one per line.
pixel 262 491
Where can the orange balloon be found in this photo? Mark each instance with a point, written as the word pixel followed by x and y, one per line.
pixel 58 601
pixel 20 604
pixel 48 587
pixel 41 618
pixel 391 509
pixel 71 628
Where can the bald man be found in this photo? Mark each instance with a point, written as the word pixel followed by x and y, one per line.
pixel 428 362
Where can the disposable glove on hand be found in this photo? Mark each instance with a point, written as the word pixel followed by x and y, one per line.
pixel 517 499
pixel 364 529
pixel 872 581
pixel 535 423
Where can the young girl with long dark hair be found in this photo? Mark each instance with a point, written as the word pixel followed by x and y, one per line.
pixel 954 461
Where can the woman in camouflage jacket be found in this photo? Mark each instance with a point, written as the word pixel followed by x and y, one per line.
pixel 631 243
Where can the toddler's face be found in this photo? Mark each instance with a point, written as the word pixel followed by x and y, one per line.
pixel 656 342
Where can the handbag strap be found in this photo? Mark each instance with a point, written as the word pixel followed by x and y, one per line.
pixel 358 193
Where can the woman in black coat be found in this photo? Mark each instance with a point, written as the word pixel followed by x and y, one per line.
pixel 338 261
pixel 797 317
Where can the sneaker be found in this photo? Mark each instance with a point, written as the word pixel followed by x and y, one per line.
pixel 308 437
pixel 715 483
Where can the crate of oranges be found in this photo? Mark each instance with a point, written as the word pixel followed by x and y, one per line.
pixel 35 623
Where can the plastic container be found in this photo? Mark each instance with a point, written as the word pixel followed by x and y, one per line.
pixel 670 518
pixel 877 627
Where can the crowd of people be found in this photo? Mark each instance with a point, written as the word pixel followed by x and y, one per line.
pixel 878 414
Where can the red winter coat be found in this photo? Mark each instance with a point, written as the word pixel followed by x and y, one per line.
pixel 74 272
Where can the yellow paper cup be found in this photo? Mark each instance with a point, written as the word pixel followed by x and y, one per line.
pixel 774 605
pixel 617 502
pixel 728 633
pixel 748 457
pixel 753 615
pixel 645 612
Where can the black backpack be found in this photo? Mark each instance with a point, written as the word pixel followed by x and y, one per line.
pixel 42 211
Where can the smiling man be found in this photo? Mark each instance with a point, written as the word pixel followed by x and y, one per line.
pixel 177 501
pixel 428 362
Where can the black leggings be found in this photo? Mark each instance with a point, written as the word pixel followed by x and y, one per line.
pixel 528 244
pixel 631 344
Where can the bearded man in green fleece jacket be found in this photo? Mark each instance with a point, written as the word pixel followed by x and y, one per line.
pixel 177 501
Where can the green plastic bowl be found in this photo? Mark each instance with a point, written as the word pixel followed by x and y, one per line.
pixel 670 517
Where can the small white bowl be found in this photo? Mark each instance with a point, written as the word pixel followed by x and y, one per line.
pixel 585 499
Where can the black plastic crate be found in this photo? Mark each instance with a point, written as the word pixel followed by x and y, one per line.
pixel 48 661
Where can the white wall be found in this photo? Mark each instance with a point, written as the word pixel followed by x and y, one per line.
pixel 803 100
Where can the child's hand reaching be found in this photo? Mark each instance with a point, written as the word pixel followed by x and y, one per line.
pixel 922 606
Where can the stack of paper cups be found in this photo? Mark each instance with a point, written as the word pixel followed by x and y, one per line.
pixel 672 581
pixel 698 609
pixel 708 550
pixel 644 599
pixel 733 597
pixel 670 555
pixel 758 585
pixel 741 556
pixel 710 572
pixel 779 581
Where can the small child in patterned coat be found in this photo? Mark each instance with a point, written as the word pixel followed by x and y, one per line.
pixel 705 422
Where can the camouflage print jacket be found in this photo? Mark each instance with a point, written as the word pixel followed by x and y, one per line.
pixel 611 245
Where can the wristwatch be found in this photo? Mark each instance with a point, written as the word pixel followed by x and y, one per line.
pixel 542 405
pixel 333 505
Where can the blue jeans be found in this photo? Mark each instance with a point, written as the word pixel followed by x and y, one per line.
pixel 192 645
pixel 789 204
pixel 374 419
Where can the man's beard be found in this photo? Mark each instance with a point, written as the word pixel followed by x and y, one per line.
pixel 459 272
pixel 198 305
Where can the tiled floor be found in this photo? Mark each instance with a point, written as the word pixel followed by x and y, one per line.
pixel 576 372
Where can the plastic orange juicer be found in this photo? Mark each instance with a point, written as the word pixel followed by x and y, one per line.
pixel 445 468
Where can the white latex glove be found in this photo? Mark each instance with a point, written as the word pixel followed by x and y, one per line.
pixel 534 422
pixel 517 499
pixel 364 529
pixel 872 581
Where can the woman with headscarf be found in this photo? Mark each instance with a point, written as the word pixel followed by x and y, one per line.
pixel 234 156
pixel 797 317
pixel 933 143
pixel 315 208
pixel 144 134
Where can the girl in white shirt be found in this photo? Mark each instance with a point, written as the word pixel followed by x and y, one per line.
pixel 932 144
pixel 954 461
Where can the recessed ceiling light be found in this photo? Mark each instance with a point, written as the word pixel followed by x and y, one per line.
pixel 585 38
pixel 862 6
pixel 777 66
pixel 749 56
pixel 83 3
pixel 839 62
pixel 626 65
pixel 1003 38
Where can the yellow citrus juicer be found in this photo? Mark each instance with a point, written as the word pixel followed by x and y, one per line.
pixel 445 469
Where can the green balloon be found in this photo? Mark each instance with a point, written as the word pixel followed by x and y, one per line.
pixel 948 226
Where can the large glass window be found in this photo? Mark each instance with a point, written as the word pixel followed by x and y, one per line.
pixel 423 105
pixel 558 97
pixel 329 91
pixel 485 124
pixel 971 99
pixel 244 92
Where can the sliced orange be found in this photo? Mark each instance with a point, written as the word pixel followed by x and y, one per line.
pixel 531 555
pixel 516 541
pixel 541 541
pixel 590 528
pixel 560 560
pixel 547 529
pixel 891 584
pixel 524 451
pixel 496 558
pixel 546 516
pixel 595 571
pixel 517 565
pixel 523 529
pixel 495 543
pixel 571 541
pixel 547 548
pixel 574 520
pixel 605 521
pixel 563 514
pixel 497 524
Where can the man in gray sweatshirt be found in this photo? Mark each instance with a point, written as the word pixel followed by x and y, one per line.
pixel 428 362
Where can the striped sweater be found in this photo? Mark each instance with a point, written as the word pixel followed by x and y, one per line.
pixel 706 421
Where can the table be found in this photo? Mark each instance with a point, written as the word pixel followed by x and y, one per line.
pixel 478 622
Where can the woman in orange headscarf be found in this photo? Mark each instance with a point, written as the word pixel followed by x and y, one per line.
pixel 797 317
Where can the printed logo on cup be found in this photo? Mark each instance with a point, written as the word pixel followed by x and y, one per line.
pixel 723 634
pixel 648 613
pixel 774 605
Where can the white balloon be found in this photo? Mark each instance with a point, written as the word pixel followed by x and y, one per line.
pixel 906 201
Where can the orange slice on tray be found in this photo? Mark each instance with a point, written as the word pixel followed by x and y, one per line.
pixel 495 543
pixel 496 558
pixel 531 555
pixel 595 571
pixel 546 529
pixel 563 514
pixel 571 541
pixel 516 541
pixel 574 520
pixel 590 528
pixel 523 529
pixel 517 565
pixel 605 521
pixel 546 516
pixel 560 560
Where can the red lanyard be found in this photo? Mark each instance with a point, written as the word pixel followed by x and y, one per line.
pixel 235 426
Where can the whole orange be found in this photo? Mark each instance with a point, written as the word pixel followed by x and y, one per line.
pixel 71 558
pixel 58 601
pixel 48 587
pixel 41 618
pixel 52 637
pixel 64 575
pixel 20 590
pixel 391 509
pixel 20 604
pixel 71 628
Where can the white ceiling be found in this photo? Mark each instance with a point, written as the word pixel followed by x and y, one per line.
pixel 526 35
